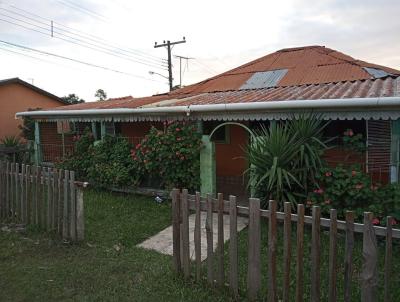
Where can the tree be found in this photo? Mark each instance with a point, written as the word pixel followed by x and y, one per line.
pixel 101 95
pixel 72 98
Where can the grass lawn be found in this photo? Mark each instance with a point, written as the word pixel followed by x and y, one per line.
pixel 108 266
pixel 36 267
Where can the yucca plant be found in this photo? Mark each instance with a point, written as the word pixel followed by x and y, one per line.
pixel 10 141
pixel 285 158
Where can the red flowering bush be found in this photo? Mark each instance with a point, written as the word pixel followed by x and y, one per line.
pixel 343 189
pixel 351 189
pixel 172 156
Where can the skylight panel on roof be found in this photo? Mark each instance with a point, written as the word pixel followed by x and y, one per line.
pixel 376 73
pixel 264 79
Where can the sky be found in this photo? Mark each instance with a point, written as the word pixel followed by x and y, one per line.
pixel 113 40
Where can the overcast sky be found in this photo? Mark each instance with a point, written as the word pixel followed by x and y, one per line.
pixel 119 35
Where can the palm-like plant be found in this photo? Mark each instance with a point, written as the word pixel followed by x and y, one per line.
pixel 284 158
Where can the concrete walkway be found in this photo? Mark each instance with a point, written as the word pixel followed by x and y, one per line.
pixel 162 242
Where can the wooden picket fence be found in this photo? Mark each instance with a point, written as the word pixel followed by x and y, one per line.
pixel 46 197
pixel 183 203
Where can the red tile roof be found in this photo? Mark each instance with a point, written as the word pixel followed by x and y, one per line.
pixel 313 72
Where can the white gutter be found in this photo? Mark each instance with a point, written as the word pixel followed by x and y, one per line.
pixel 350 103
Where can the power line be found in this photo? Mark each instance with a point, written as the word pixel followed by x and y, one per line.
pixel 77 42
pixel 97 47
pixel 74 60
pixel 205 67
pixel 82 10
pixel 85 35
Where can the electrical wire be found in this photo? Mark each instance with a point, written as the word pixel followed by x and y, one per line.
pixel 78 41
pixel 205 67
pixel 82 10
pixel 85 35
pixel 74 60
pixel 110 48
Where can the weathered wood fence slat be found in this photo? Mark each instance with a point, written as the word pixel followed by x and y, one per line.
pixel 183 203
pixel 47 197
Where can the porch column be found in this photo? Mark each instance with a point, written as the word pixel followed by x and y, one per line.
pixel 394 151
pixel 94 131
pixel 102 130
pixel 208 166
pixel 36 146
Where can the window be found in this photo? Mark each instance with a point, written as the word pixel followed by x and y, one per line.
pixel 110 128
pixel 221 136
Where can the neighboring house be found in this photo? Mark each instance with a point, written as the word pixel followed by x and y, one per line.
pixel 351 93
pixel 17 95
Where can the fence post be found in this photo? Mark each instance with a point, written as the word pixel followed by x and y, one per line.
pixel 388 258
pixel 300 253
pixel 316 254
pixel 65 206
pixel 369 274
pixel 209 234
pixel 221 274
pixel 332 255
pixel 72 200
pixel 254 262
pixel 272 241
pixel 197 236
pixel 287 238
pixel 176 233
pixel 80 218
pixel 233 248
pixel 185 234
pixel 348 261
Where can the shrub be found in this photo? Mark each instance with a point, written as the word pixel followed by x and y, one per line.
pixel 172 156
pixel 351 189
pixel 111 163
pixel 81 159
pixel 343 189
pixel 285 158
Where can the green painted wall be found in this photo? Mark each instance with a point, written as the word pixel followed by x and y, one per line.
pixel 207 167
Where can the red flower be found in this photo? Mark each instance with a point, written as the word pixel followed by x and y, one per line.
pixel 319 191
pixel 394 222
pixel 327 174
pixel 138 146
pixel 375 221
pixel 353 173
pixel 177 129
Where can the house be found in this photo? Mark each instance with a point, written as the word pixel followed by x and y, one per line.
pixel 352 94
pixel 17 95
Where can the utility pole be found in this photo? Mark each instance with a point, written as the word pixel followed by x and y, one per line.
pixel 180 67
pixel 168 44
